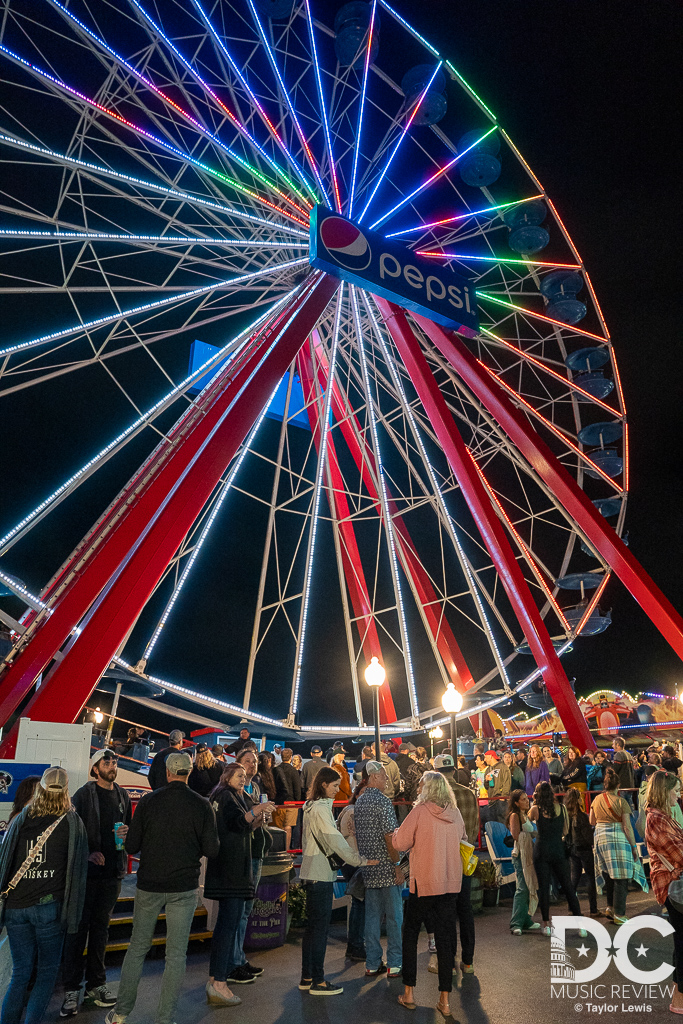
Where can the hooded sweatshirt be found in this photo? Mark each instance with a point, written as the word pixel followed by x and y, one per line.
pixel 433 835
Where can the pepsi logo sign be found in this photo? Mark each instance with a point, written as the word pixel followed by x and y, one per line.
pixel 346 243
pixel 385 267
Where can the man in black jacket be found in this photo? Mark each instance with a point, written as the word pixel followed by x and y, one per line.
pixel 100 804
pixel 172 829
pixel 244 738
pixel 287 787
pixel 157 771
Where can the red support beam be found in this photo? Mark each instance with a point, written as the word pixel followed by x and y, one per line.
pixel 436 622
pixel 351 562
pixel 490 528
pixel 537 453
pixel 118 579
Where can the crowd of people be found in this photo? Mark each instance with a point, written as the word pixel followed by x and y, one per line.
pixel 399 824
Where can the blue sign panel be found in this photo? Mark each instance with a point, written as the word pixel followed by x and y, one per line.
pixel 387 268
pixel 201 352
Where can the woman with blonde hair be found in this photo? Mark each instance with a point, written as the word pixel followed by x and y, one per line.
pixel 432 832
pixel 536 769
pixel 664 838
pixel 616 853
pixel 342 771
pixel 206 773
pixel 44 901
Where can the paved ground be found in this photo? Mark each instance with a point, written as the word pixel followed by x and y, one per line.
pixel 511 986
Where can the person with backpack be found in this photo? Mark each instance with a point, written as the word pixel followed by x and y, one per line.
pixel 580 845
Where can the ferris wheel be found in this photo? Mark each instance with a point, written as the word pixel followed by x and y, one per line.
pixel 453 490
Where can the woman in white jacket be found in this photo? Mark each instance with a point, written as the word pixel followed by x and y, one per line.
pixel 321 840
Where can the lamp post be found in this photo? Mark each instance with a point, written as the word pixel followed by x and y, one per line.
pixel 452 704
pixel 374 677
pixel 434 734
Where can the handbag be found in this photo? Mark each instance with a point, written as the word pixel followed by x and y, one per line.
pixel 508 841
pixel 468 858
pixel 19 874
pixel 333 859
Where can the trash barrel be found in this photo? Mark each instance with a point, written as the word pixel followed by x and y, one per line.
pixel 267 925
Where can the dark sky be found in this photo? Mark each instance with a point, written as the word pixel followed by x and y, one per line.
pixel 586 90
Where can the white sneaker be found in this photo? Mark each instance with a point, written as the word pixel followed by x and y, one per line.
pixel 548 930
pixel 516 931
pixel 533 927
pixel 70 1004
pixel 431 946
pixel 115 1018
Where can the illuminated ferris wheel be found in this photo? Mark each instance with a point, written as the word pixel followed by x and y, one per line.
pixel 461 492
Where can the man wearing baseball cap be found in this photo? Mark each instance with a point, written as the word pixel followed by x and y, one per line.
pixel 311 768
pixel 498 781
pixel 102 805
pixel 172 829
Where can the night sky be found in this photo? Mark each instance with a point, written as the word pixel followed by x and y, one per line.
pixel 586 92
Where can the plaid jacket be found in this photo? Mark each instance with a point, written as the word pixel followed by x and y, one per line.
pixel 663 835
pixel 613 854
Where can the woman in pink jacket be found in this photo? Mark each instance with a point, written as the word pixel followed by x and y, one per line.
pixel 432 832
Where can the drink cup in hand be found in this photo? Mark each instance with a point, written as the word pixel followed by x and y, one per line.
pixel 266 813
pixel 118 838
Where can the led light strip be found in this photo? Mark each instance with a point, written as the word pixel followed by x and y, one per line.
pixel 148 83
pixel 323 109
pixel 401 137
pixel 432 178
pixel 539 316
pixel 207 527
pixel 173 193
pixel 361 109
pixel 593 603
pixel 317 493
pixel 31 600
pixel 235 67
pixel 142 420
pixel 388 522
pixel 156 304
pixel 285 95
pixel 494 259
pixel 138 130
pixel 95 236
pixel 462 216
pixel 472 581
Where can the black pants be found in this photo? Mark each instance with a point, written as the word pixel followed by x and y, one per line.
pixel 582 860
pixel 101 895
pixel 319 897
pixel 676 919
pixel 616 890
pixel 442 913
pixel 463 903
pixel 549 862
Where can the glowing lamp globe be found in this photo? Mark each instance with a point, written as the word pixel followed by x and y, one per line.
pixel 451 700
pixel 374 673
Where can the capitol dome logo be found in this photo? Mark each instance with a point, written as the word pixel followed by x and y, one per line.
pixel 346 243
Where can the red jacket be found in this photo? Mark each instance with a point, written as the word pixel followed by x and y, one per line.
pixel 663 835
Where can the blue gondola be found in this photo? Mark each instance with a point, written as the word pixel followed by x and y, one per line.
pixel 560 289
pixel 481 166
pixel 574 580
pixel 589 358
pixel 597 622
pixel 609 461
pixel 601 433
pixel 608 506
pixel 351 26
pixel 526 234
pixel 434 103
pixel 596 384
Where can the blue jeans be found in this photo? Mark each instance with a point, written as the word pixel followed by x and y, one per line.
pixel 222 961
pixel 319 896
pixel 179 908
pixel 32 930
pixel 379 902
pixel 238 955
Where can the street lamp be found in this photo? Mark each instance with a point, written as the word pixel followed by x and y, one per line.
pixel 434 734
pixel 374 677
pixel 452 704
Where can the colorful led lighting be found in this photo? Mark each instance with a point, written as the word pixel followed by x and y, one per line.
pixel 551 426
pixel 184 113
pixel 361 109
pixel 156 304
pixel 539 316
pixel 285 96
pixel 317 493
pixel 472 581
pixel 470 90
pixel 233 182
pixel 386 514
pixel 142 420
pixel 494 259
pixel 462 216
pixel 546 369
pixel 323 109
pixel 226 110
pixel 104 236
pixel 401 137
pixel 207 527
pixel 409 27
pixel 432 178
pixel 173 193
pixel 592 604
